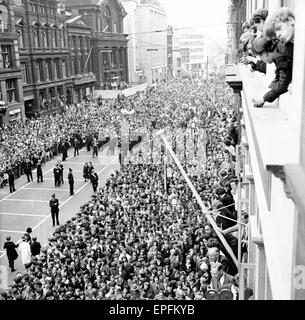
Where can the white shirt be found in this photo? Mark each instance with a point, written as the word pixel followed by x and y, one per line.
pixel 25 252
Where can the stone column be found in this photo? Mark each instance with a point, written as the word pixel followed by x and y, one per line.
pixel 125 65
pixel 117 58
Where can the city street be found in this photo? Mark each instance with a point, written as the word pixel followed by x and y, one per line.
pixel 29 205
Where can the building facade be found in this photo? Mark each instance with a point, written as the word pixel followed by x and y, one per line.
pixel 170 62
pixel 44 56
pixel 108 41
pixel 271 165
pixel 80 61
pixel 11 93
pixel 191 57
pixel 146 25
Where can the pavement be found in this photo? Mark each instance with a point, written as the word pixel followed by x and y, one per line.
pixel 29 205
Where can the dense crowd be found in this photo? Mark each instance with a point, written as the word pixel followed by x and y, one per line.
pixel 136 238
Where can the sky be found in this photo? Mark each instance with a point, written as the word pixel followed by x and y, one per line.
pixel 210 15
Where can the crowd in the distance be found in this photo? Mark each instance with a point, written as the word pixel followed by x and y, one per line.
pixel 136 238
pixel 269 39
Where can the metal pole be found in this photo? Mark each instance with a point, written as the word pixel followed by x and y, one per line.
pixel 200 202
pixel 165 178
pixel 87 60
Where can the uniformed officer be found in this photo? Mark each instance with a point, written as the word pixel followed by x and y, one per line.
pixel 71 182
pixel 54 204
pixel 56 172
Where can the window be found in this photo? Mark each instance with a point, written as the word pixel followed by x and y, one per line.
pixel 72 67
pixel 39 71
pixel 35 39
pixel 11 90
pixel 62 43
pixel 20 38
pixel 33 7
pixel 3 19
pixel 54 40
pixel 45 40
pixel 57 67
pixel 24 72
pixel 46 68
pixel 49 71
pixel 5 57
pixel 63 68
pixel 108 20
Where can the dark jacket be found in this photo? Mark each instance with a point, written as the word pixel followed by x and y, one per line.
pixel 39 169
pixel 54 204
pixel 283 72
pixel 86 172
pixel 94 178
pixel 35 248
pixel 11 250
pixel 70 178
pixel 28 168
pixel 259 66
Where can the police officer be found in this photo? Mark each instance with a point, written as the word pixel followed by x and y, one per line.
pixel 39 172
pixel 54 204
pixel 11 179
pixel 76 146
pixel 56 172
pixel 71 182
pixel 95 147
pixel 94 180
pixel 28 170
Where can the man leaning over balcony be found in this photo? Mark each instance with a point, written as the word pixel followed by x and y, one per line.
pixel 281 54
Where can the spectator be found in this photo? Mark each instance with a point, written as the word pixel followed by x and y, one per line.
pixel 282 55
pixel 25 252
pixel 280 25
pixel 35 247
pixel 11 252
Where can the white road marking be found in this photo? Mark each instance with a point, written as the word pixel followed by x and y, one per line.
pixel 27 200
pixel 22 214
pixel 12 231
pixel 47 189
pixel 67 200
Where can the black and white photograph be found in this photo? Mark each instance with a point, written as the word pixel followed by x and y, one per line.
pixel 152 153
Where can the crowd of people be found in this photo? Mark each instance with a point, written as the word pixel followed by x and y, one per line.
pixel 269 39
pixel 138 238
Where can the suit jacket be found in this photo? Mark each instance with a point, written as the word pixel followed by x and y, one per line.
pixel 11 252
pixel 283 72
pixel 54 204
pixel 71 178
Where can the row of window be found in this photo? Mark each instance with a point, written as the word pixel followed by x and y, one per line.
pixel 3 19
pixel 45 71
pixel 10 85
pixel 200 56
pixel 34 7
pixel 5 57
pixel 43 39
pixel 193 43
pixel 194 50
pixel 191 36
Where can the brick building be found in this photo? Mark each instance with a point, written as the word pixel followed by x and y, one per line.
pixel 11 95
pixel 44 56
pixel 80 62
pixel 108 41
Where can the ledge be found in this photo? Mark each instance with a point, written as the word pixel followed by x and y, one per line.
pixel 269 124
pixel 256 237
